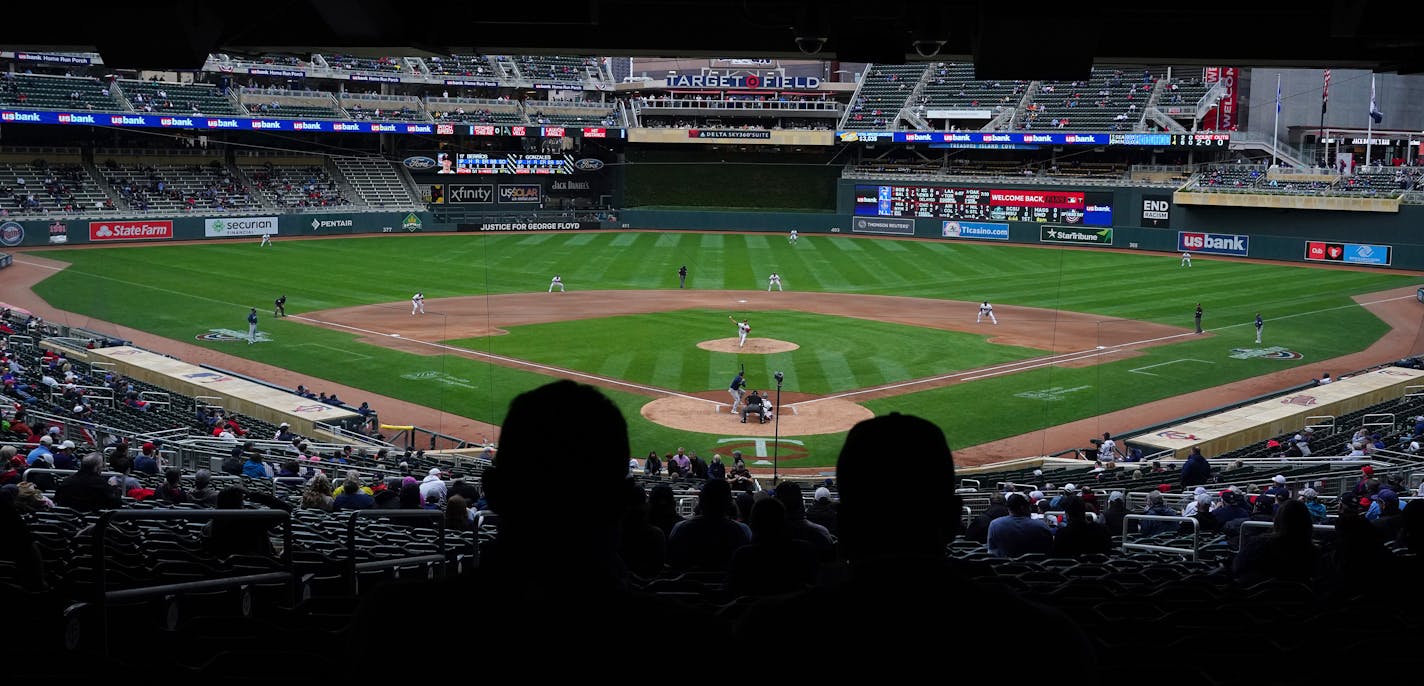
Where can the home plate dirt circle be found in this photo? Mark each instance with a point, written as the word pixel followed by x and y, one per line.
pixel 754 346
pixel 802 419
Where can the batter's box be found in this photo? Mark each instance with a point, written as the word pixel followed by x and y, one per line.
pixel 1141 370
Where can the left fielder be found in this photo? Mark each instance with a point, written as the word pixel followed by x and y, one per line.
pixel 986 310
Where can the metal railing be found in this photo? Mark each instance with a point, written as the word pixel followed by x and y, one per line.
pixel 1249 524
pixel 353 567
pixel 1196 535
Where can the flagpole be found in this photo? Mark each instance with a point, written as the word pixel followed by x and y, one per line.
pixel 1370 128
pixel 1276 131
pixel 1320 140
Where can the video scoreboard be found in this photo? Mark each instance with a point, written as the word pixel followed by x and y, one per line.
pixel 983 204
pixel 511 163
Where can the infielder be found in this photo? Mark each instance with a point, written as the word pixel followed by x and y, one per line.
pixel 738 383
pixel 266 240
pixel 775 281
pixel 1259 323
pixel 558 281
pixel 417 303
pixel 792 239
pixel 986 310
pixel 252 326
pixel 743 328
pixel 279 307
pixel 1186 259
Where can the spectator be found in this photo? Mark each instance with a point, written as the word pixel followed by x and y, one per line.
pixel 202 493
pixel 652 466
pixel 1317 511
pixel 317 495
pixel 1389 520
pixel 64 456
pixel 409 496
pixel 41 453
pixel 146 461
pixel 774 562
pixel 1201 511
pixel 255 468
pixel 458 515
pixel 433 485
pixel 353 496
pixel 87 490
pixel 237 536
pixel 1156 506
pixel 708 540
pixel 171 491
pixel 979 528
pixel 823 511
pixel 1018 532
pixel 797 526
pixel 28 498
pixel 642 546
pixel 899 580
pixel 1196 470
pixel 1076 535
pixel 662 509
pixel 1285 553
pixel 717 470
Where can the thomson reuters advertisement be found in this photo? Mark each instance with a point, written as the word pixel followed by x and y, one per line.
pixel 131 231
pixel 1214 243
pixel 239 226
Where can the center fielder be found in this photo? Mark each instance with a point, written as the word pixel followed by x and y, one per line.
pixel 986 310
pixel 417 303
pixel 559 282
pixel 743 328
pixel 1186 259
pixel 792 238
pixel 775 281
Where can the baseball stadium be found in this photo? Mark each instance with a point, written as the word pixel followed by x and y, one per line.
pixel 577 331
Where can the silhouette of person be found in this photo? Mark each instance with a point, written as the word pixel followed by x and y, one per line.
pixel 551 581
pixel 901 595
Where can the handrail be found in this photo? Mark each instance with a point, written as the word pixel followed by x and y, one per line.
pixel 1196 535
pixel 102 596
pixel 353 566
pixel 1249 524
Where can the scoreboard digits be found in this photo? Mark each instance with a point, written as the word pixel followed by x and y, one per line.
pixel 983 204
pixel 513 163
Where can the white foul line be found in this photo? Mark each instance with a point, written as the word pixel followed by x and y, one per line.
pixel 1138 370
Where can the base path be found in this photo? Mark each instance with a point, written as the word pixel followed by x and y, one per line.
pixel 27 270
pixel 1398 308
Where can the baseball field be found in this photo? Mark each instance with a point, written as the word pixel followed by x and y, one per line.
pixel 865 326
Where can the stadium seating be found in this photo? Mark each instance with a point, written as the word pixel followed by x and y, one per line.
pixel 883 91
pixel 206 184
pixel 459 65
pixel 475 110
pixel 375 181
pixel 1110 100
pixel 383 108
pixel 566 113
pixel 56 93
pixel 353 63
pixel 157 96
pixel 49 187
pixel 292 186
pixel 573 70
pixel 953 86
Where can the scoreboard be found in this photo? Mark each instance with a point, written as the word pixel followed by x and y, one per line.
pixel 512 163
pixel 983 204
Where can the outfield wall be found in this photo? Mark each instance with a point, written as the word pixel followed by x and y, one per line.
pixel 249 227
pixel 1142 219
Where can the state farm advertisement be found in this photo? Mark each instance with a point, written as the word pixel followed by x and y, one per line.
pixel 131 231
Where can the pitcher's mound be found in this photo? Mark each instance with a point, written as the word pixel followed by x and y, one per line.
pixel 754 346
pixel 802 419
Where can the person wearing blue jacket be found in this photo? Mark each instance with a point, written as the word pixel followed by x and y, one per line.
pixel 1196 470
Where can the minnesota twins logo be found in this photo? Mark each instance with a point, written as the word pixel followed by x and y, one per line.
pixel 1271 353
pixel 230 336
pixel 1177 435
pixel 1302 400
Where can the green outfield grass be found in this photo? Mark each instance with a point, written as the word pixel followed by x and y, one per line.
pixel 178 291
pixel 836 353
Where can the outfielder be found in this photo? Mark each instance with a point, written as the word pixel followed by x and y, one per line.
pixel 1259 323
pixel 986 310
pixel 792 239
pixel 266 240
pixel 738 383
pixel 252 326
pixel 1186 259
pixel 775 281
pixel 743 328
pixel 417 303
pixel 558 281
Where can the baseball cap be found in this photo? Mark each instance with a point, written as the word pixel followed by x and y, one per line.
pixel 149 446
pixel 1199 491
pixel 1115 495
pixel 1367 470
pixel 1070 488
pixel 1163 488
pixel 1386 494
pixel 1278 479
pixel 67 445
pixel 823 493
pixel 1308 493
pixel 1035 495
pixel 46 439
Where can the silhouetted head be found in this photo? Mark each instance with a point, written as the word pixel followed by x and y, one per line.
pixel 1411 530
pixel 1292 521
pixel 1074 511
pixel 789 493
pixel 536 429
pixel 230 498
pixel 715 499
pixel 769 520
pixel 93 463
pixel 876 520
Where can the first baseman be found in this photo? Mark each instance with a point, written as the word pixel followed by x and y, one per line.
pixel 986 310
pixel 743 328
pixel 252 326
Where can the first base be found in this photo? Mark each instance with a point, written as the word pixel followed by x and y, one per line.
pixel 395 335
